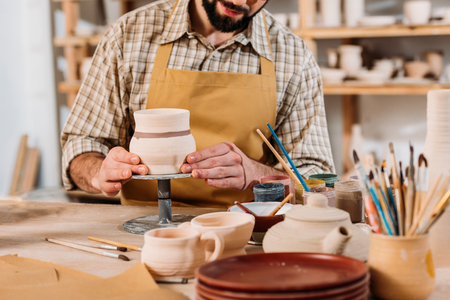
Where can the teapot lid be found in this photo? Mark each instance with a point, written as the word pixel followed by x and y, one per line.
pixel 317 209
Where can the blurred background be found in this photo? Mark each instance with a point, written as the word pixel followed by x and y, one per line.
pixel 46 49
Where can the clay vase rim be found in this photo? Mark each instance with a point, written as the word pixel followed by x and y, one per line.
pixel 194 233
pixel 248 219
pixel 161 111
pixel 398 238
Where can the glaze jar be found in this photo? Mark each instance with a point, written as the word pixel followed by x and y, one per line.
pixel 349 198
pixel 162 139
pixel 269 191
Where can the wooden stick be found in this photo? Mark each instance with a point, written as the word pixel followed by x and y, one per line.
pixel 118 244
pixel 288 197
pixel 245 208
pixel 423 207
pixel 88 249
pixel 280 159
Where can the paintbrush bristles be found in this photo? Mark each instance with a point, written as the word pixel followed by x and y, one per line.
pixel 355 157
pixel 391 147
pixel 123 257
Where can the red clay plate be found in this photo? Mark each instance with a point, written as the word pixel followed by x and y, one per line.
pixel 331 293
pixel 277 272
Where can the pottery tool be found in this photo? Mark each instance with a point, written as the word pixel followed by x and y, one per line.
pixel 366 186
pixel 387 188
pixel 288 158
pixel 280 159
pixel 118 244
pixel 410 191
pixel 245 209
pixel 88 249
pixel 398 192
pixel 288 197
pixel 423 207
pixel 383 202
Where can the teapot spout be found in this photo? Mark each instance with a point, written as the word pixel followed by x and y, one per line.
pixel 336 240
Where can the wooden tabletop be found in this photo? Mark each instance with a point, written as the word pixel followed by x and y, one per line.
pixel 24 225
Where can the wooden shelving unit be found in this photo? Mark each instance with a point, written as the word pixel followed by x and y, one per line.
pixel 76 47
pixel 310 33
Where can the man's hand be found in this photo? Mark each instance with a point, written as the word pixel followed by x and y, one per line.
pixel 225 166
pixel 93 172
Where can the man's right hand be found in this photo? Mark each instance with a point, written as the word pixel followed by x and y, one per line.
pixel 93 172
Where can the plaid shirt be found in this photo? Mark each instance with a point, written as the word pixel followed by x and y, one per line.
pixel 118 81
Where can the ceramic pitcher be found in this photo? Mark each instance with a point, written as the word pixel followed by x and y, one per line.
pixel 162 139
pixel 177 252
pixel 401 267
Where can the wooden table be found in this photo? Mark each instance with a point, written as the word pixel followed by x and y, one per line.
pixel 23 226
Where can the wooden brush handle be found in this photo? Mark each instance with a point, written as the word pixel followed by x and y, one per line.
pixel 288 197
pixel 118 244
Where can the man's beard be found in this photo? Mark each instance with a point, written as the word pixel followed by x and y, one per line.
pixel 225 23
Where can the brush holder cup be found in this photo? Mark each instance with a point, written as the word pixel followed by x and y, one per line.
pixel 401 267
pixel 162 139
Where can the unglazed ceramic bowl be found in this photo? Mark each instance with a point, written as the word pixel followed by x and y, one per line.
pixel 263 222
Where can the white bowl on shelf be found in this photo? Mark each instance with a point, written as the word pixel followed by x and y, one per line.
pixel 417 69
pixel 374 21
pixel 417 12
pixel 373 77
pixel 332 76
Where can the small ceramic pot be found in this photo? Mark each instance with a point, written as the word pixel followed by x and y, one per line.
pixel 417 69
pixel 401 267
pixel 162 139
pixel 177 252
pixel 417 11
pixel 235 229
pixel 330 11
pixel 354 11
pixel 351 59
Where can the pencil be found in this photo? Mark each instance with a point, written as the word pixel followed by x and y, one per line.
pixel 88 249
pixel 118 244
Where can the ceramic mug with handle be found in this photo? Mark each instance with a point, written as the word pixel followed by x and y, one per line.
pixel 177 252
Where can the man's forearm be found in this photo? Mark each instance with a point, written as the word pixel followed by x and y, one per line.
pixel 84 168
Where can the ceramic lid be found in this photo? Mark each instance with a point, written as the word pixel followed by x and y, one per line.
pixel 317 209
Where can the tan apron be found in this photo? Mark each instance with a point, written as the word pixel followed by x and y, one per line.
pixel 223 107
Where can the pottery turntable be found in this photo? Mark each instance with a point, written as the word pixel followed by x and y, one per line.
pixel 165 218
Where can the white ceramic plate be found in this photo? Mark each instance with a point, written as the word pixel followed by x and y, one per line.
pixel 262 208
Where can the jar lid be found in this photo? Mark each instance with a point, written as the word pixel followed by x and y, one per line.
pixel 317 209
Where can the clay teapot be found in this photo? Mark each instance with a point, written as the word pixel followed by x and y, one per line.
pixel 316 227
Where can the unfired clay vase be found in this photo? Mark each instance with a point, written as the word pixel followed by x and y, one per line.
pixel 401 267
pixel 162 139
pixel 318 228
pixel 235 229
pixel 177 252
pixel 351 59
pixel 437 153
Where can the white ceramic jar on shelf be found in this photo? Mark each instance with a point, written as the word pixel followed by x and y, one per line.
pixel 330 12
pixel 351 59
pixel 354 10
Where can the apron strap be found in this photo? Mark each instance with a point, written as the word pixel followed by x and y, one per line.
pixel 267 67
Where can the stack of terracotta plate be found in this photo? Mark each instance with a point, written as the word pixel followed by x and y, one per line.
pixel 279 276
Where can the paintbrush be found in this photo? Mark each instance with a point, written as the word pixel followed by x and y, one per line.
pixel 365 184
pixel 410 191
pixel 436 214
pixel 398 191
pixel 245 209
pixel 288 158
pixel 88 249
pixel 387 187
pixel 423 207
pixel 106 247
pixel 383 204
pixel 288 197
pixel 118 244
pixel 280 159
pixel 418 197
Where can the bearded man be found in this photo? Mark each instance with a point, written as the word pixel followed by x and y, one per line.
pixel 233 66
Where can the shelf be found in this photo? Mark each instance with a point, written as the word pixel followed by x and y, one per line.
pixel 77 40
pixel 385 31
pixel 69 87
pixel 400 89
